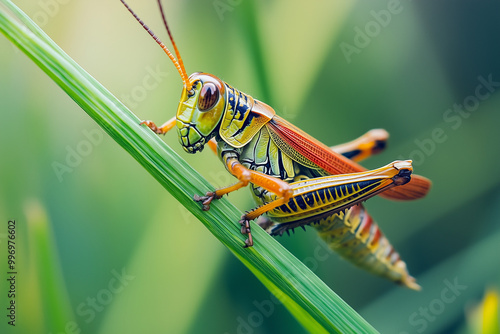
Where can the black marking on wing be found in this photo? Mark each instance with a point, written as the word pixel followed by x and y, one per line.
pixel 351 154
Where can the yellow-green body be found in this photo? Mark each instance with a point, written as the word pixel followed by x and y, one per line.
pixel 238 124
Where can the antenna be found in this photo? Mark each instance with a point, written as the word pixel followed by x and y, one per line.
pixel 178 64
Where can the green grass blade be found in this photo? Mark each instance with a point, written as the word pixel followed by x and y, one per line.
pixel 313 304
pixel 248 21
pixel 45 267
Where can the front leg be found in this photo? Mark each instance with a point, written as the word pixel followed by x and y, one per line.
pixel 246 176
pixel 279 187
pixel 167 126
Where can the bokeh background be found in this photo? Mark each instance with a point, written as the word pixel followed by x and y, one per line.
pixel 102 248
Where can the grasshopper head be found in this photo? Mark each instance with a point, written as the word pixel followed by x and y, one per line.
pixel 200 111
pixel 203 97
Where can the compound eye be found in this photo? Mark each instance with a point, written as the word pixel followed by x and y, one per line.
pixel 209 96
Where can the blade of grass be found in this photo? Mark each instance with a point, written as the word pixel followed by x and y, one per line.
pixel 46 268
pixel 248 19
pixel 313 304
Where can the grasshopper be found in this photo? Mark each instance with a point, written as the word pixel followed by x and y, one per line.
pixel 295 179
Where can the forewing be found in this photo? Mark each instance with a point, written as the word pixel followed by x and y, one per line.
pixel 311 153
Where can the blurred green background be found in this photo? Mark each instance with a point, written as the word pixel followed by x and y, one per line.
pixel 102 248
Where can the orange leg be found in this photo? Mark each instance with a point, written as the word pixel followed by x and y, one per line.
pixel 213 145
pixel 373 182
pixel 167 126
pixel 245 176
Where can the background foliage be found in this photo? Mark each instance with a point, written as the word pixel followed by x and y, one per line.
pixel 107 216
